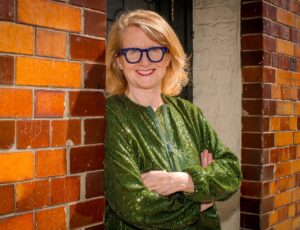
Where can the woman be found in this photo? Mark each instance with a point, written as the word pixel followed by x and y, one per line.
pixel 154 177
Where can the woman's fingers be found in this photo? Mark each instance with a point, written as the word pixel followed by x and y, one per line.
pixel 205 206
pixel 204 158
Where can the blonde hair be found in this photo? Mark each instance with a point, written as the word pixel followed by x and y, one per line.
pixel 157 29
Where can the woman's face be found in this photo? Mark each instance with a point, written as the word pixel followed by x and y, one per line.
pixel 145 74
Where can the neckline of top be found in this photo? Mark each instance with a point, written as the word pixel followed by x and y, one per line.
pixel 164 98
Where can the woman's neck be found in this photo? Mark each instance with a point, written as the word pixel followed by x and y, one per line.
pixel 146 98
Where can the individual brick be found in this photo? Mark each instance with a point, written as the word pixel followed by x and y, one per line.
pixel 51 43
pixel 284 108
pixel 258 74
pixel 285 47
pixel 297 22
pixel 93 4
pixel 252 172
pixel 33 134
pixel 293 6
pixel 16 38
pixel 7 69
pixel 282 213
pixel 16 166
pixel 283 62
pixel 297 138
pixel 24 222
pixel 51 163
pixel 252 156
pixel 251 58
pixel 32 195
pixel 94 76
pixel 49 103
pixel 297 108
pixel 252 124
pixel 296 223
pixel 7 10
pixel 269 188
pixel 15 102
pixel 92 211
pixel 251 10
pixel 283 169
pixel 287 224
pixel 7 134
pixel 94 131
pixel 86 103
pixel 283 198
pixel 251 205
pixel 64 130
pixel 7 201
pixel 251 26
pixel 83 159
pixel 251 188
pixel 292 210
pixel 252 107
pixel 269 107
pixel 266 204
pixel 269 11
pixel 64 190
pixel 49 14
pixel 54 218
pixel 297 51
pixel 283 138
pixel 95 184
pixel 285 17
pixel 268 172
pixel 252 90
pixel 250 221
pixel 83 48
pixel 296 194
pixel 96 227
pixel 286 183
pixel 95 23
pixel 273 218
pixel 54 73
pixel 295 35
pixel 296 166
pixel 269 43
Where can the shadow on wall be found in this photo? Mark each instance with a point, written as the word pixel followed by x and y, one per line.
pixel 85 148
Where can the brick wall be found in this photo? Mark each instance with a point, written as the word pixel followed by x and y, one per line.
pixel 51 114
pixel 270 58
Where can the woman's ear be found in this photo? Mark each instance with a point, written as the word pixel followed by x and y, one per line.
pixel 120 65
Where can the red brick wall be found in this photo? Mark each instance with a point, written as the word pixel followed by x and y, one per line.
pixel 270 43
pixel 51 114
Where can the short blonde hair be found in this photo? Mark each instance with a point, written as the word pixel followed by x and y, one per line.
pixel 157 29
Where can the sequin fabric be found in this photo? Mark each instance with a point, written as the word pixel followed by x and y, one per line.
pixel 139 139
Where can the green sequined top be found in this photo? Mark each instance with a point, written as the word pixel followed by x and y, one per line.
pixel 139 139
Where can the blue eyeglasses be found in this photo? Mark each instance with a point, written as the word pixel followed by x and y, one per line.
pixel 134 55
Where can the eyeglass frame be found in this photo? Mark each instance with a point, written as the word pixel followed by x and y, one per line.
pixel 125 50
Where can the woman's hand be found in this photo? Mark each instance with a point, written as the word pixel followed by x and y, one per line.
pixel 206 159
pixel 166 183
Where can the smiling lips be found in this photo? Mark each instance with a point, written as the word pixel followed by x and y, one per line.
pixel 145 73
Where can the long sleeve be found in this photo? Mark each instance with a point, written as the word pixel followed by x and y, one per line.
pixel 221 178
pixel 128 197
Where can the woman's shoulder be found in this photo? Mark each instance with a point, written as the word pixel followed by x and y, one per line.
pixel 182 104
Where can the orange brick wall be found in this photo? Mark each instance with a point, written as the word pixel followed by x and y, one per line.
pixel 270 57
pixel 51 114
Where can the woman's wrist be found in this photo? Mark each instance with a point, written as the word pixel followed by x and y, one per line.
pixel 184 181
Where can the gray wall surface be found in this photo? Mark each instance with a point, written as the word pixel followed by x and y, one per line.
pixel 217 82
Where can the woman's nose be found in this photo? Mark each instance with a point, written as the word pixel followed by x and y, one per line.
pixel 144 60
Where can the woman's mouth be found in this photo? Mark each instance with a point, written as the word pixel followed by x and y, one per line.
pixel 145 73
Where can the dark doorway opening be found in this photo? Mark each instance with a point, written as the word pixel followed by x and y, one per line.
pixel 178 13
